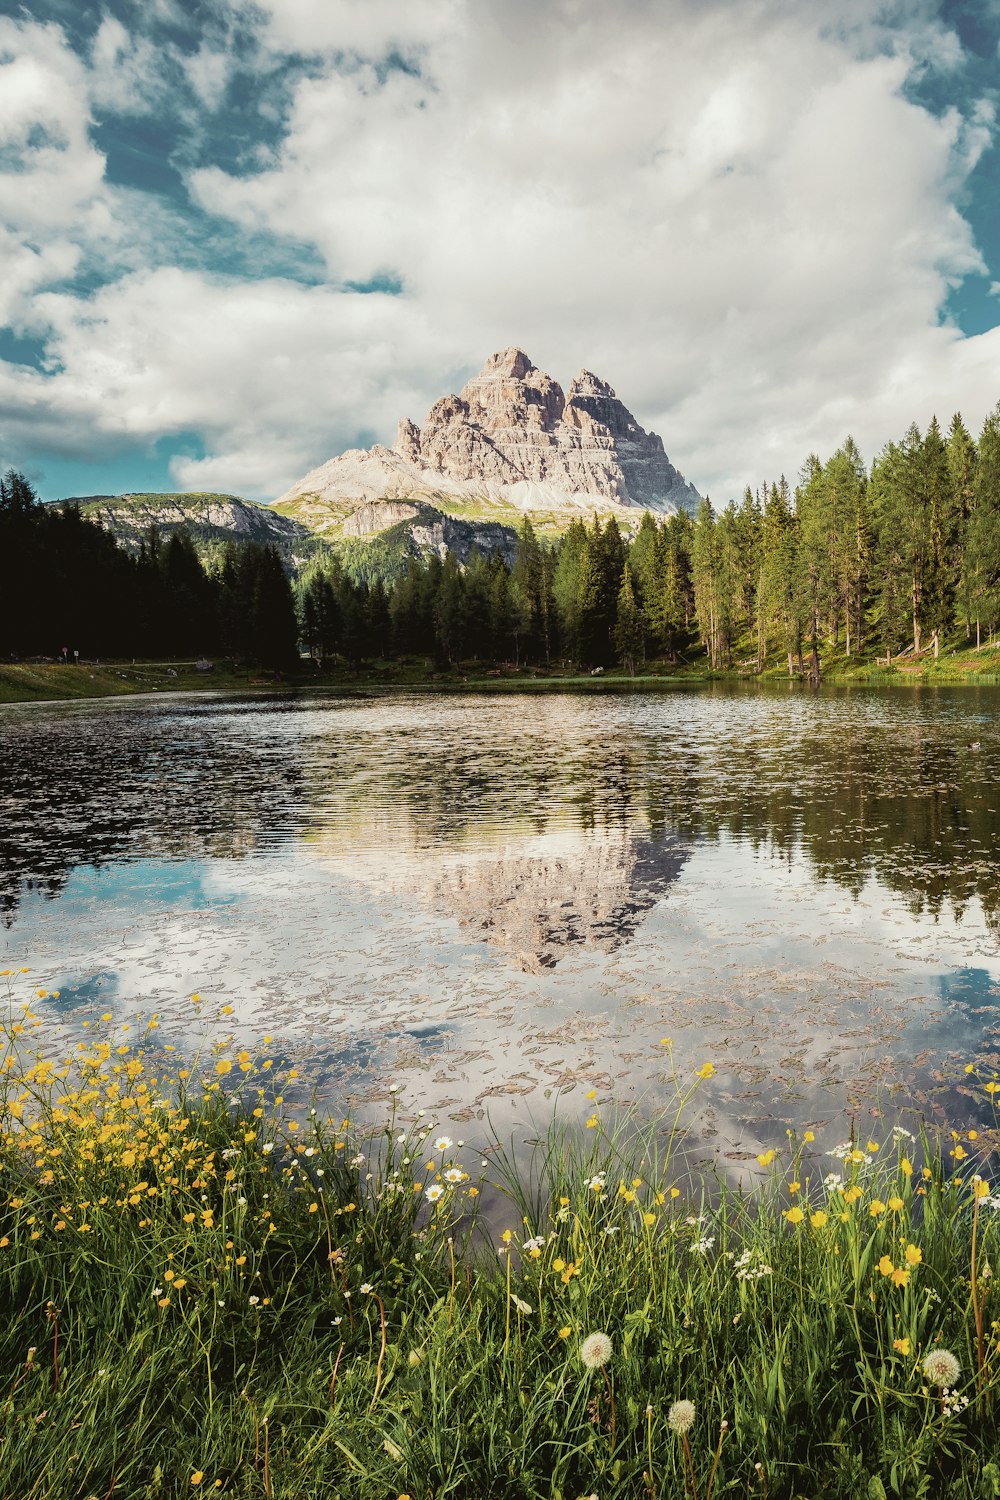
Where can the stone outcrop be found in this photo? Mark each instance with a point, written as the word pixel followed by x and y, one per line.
pixel 513 436
pixel 513 424
pixel 206 517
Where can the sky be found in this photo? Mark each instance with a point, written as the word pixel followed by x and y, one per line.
pixel 238 237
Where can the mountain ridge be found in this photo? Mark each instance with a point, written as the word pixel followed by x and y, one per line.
pixel 512 439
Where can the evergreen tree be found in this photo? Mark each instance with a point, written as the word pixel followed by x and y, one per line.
pixel 628 623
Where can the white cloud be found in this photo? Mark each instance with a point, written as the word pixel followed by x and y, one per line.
pixel 734 213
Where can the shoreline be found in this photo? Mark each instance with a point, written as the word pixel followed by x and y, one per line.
pixel 56 682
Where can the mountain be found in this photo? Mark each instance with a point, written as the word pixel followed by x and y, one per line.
pixel 210 519
pixel 512 442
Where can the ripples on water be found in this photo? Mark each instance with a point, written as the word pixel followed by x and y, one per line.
pixel 498 900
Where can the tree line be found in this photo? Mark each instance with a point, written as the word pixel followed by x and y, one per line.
pixel 893 558
pixel 70 588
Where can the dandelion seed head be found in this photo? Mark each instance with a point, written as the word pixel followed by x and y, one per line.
pixel 680 1417
pixel 942 1368
pixel 595 1350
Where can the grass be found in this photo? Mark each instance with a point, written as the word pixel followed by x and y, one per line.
pixel 206 1290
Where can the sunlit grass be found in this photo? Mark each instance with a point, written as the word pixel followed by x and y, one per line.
pixel 205 1288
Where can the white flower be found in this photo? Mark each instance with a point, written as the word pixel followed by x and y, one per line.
pixel 358 1161
pixel 538 1243
pixel 595 1350
pixel 268 1147
pixel 522 1307
pixel 434 1192
pixel 157 1291
pixel 595 1183
pixel 366 1287
pixel 443 1143
pixel 394 1088
pixel 310 1151
pixel 704 1245
pixel 680 1417
pixel 832 1181
pixel 454 1174
pixel 942 1368
pixel 254 1301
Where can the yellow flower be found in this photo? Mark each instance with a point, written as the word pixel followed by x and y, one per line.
pixel 980 1188
pixel 886 1266
pixel 900 1277
pixel 992 1088
pixel 197 1476
pixel 818 1219
pixel 224 1066
pixel 914 1255
pixel 970 1067
pixel 876 1207
pixel 564 1333
pixel 793 1187
pixel 902 1346
pixel 852 1195
pixel 960 1153
pixel 558 1265
pixel 591 1122
pixel 906 1167
pixel 675 1192
pixel 766 1158
pixel 794 1215
pixel 163 1302
pixel 872 1146
pixel 189 1218
pixel 649 1218
pixel 809 1136
pixel 895 1204
pixel 707 1070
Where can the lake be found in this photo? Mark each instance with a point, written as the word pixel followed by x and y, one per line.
pixel 498 903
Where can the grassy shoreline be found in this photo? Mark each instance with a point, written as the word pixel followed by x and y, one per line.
pixel 212 1291
pixel 24 682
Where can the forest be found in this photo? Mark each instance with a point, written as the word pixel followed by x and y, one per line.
pixel 895 559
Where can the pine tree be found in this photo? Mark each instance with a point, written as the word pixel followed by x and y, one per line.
pixel 628 623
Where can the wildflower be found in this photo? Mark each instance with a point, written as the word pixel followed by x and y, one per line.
pixel 443 1143
pixel 886 1266
pixel 914 1255
pixel 592 1122
pixel 680 1417
pixel 900 1277
pixel 794 1215
pixel 197 1476
pixel 564 1333
pixel 809 1136
pixel 876 1207
pixel 595 1350
pixel 366 1288
pixel 895 1204
pixel 818 1219
pixel 902 1346
pixel 434 1192
pixel 766 1158
pixel 520 1304
pixel 254 1301
pixel 707 1070
pixel 942 1368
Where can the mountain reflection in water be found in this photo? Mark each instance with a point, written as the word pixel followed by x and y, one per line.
pixel 503 895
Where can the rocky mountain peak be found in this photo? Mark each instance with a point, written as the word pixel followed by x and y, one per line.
pixel 513 435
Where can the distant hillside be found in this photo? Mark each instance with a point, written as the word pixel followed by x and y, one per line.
pixel 211 520
pixel 373 542
pixel 377 541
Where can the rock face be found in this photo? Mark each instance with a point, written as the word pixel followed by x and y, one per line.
pixel 207 517
pixel 512 434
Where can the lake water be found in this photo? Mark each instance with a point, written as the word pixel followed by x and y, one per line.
pixel 497 903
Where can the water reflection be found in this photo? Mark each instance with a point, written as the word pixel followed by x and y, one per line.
pixel 503 898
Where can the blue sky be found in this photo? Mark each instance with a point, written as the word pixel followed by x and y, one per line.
pixel 237 238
